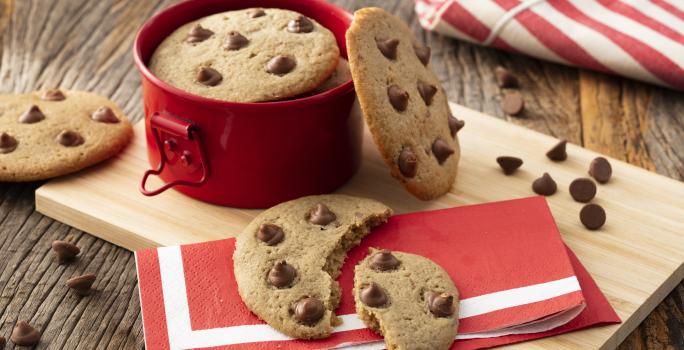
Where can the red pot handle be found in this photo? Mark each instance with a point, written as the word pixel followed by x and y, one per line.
pixel 170 128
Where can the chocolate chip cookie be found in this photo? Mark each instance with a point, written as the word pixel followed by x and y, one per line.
pixel 56 132
pixel 248 55
pixel 288 259
pixel 406 298
pixel 405 106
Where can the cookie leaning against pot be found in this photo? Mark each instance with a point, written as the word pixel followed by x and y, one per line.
pixel 288 258
pixel 406 298
pixel 56 132
pixel 405 106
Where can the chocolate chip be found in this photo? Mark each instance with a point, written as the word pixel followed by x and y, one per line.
pixel 65 251
pixel 301 24
pixel 105 115
pixel 270 234
pixel 388 47
pixel 309 310
pixel 455 125
pixel 544 185
pixel 512 102
pixel 257 12
pixel 583 190
pixel 592 216
pixel 408 163
pixel 440 304
pixel 509 164
pixel 68 138
pixel 209 76
pixel 558 152
pixel 398 97
pixel 426 91
pixel 198 34
pixel 24 334
pixel 384 260
pixel 7 143
pixel 600 170
pixel 281 275
pixel 321 215
pixel 33 115
pixel 505 78
pixel 423 53
pixel 373 295
pixel 82 284
pixel 441 150
pixel 280 65
pixel 234 41
pixel 53 95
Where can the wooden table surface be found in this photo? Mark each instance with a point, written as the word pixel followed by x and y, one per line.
pixel 86 45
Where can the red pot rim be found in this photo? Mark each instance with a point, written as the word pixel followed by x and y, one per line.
pixel 144 70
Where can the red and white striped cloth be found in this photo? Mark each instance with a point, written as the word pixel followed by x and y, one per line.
pixel 640 39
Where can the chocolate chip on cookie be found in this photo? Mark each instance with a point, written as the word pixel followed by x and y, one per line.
pixel 398 97
pixel 309 310
pixel 198 34
pixel 408 163
pixel 544 185
pixel 373 295
pixel 321 215
pixel 440 304
pixel 441 150
pixel 280 65
pixel 426 91
pixel 558 152
pixel 209 76
pixel 388 48
pixel 301 24
pixel 53 95
pixel 7 143
pixel 281 275
pixel 32 115
pixel 270 234
pixel 256 12
pixel 105 115
pixel 69 138
pixel 82 285
pixel 24 334
pixel 384 261
pixel 234 41
pixel 455 125
pixel 423 53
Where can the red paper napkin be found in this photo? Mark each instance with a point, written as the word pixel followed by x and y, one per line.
pixel 507 259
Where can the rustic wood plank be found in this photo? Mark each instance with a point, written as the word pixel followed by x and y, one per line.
pixel 86 45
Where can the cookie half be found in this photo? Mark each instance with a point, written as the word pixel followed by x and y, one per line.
pixel 249 55
pixel 404 104
pixel 288 259
pixel 45 134
pixel 406 298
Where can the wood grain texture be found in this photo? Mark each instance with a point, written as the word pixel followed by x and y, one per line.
pixel 82 44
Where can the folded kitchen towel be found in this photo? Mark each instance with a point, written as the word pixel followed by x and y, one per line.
pixel 516 278
pixel 640 39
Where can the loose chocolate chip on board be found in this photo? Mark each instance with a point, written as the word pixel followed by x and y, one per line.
pixel 558 153
pixel 505 79
pixel 441 150
pixel 592 216
pixel 33 115
pixel 301 24
pixel 321 215
pixel 24 334
pixel 600 170
pixel 7 143
pixel 198 34
pixel 583 190
pixel 234 41
pixel 257 12
pixel 209 76
pixel 455 125
pixel 388 48
pixel 384 260
pixel 509 164
pixel 373 295
pixel 408 163
pixel 53 95
pixel 68 138
pixel 270 234
pixel 105 115
pixel 512 102
pixel 440 304
pixel 280 65
pixel 398 97
pixel 309 310
pixel 544 185
pixel 426 91
pixel 423 53
pixel 65 251
pixel 81 285
pixel 281 275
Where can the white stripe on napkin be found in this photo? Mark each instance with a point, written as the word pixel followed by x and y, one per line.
pixel 181 335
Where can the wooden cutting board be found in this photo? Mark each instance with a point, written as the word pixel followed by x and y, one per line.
pixel 637 258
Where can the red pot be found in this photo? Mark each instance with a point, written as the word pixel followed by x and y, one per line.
pixel 249 155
